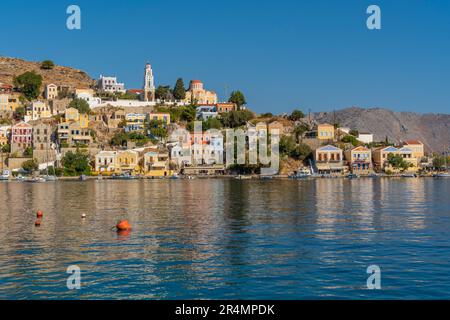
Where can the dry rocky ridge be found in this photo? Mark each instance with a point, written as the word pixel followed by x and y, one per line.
pixel 12 67
pixel 432 129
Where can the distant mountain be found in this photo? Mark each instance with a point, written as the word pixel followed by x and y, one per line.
pixel 11 67
pixel 432 129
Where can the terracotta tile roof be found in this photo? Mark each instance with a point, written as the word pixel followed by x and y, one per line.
pixel 413 142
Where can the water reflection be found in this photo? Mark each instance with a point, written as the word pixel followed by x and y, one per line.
pixel 225 238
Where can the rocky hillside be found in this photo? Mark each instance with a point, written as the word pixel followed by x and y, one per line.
pixel 11 67
pixel 432 129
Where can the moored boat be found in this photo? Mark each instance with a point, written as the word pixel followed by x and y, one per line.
pixel 442 175
pixel 409 175
pixel 5 175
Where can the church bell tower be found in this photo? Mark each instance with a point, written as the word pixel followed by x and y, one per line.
pixel 149 84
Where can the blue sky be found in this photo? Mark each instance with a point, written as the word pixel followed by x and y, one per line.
pixel 281 54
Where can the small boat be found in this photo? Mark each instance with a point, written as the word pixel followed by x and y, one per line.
pixel 241 177
pixel 266 177
pixel 5 175
pixel 122 177
pixel 20 178
pixel 35 180
pixel 352 176
pixel 303 173
pixel 442 175
pixel 83 177
pixel 50 178
pixel 409 175
pixel 373 175
pixel 175 176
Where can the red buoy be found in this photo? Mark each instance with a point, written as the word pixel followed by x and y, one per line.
pixel 37 223
pixel 39 214
pixel 123 225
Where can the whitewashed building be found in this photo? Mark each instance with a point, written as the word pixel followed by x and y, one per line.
pixel 105 161
pixel 365 137
pixel 110 84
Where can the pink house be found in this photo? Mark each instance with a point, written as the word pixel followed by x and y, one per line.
pixel 21 137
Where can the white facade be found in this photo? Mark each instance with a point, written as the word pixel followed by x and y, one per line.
pixel 38 110
pixel 105 161
pixel 51 91
pixel 149 84
pixel 365 137
pixel 90 99
pixel 206 112
pixel 110 84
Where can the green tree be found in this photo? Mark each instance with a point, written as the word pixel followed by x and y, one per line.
pixel 28 152
pixel 235 119
pixel 81 105
pixel 163 93
pixel 301 152
pixel 179 92
pixel 238 98
pixel 157 129
pixel 187 113
pixel 211 123
pixel 351 139
pixel 6 148
pixel 300 129
pixel 287 145
pixel 19 113
pixel 47 65
pixel 397 161
pixel 119 139
pixel 76 163
pixel 296 115
pixel 29 83
pixel 439 162
pixel 30 165
pixel 354 132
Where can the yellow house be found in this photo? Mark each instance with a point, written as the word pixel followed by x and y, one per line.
pixel 157 164
pixel 329 160
pixel 9 101
pixel 39 110
pixel 416 147
pixel 381 156
pixel 106 162
pixel 325 131
pixel 5 132
pixel 160 116
pixel 360 160
pixel 72 115
pixel 127 161
pixel 51 91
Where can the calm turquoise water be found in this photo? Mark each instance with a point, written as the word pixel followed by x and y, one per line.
pixel 227 239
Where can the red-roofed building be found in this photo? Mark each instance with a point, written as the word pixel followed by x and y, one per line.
pixel 416 147
pixel 5 88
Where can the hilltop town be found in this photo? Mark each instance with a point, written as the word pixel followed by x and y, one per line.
pixel 102 128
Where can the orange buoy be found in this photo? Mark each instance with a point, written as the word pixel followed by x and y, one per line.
pixel 39 214
pixel 123 225
pixel 123 233
pixel 37 223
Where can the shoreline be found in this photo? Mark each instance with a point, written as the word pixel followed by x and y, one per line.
pixel 230 177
